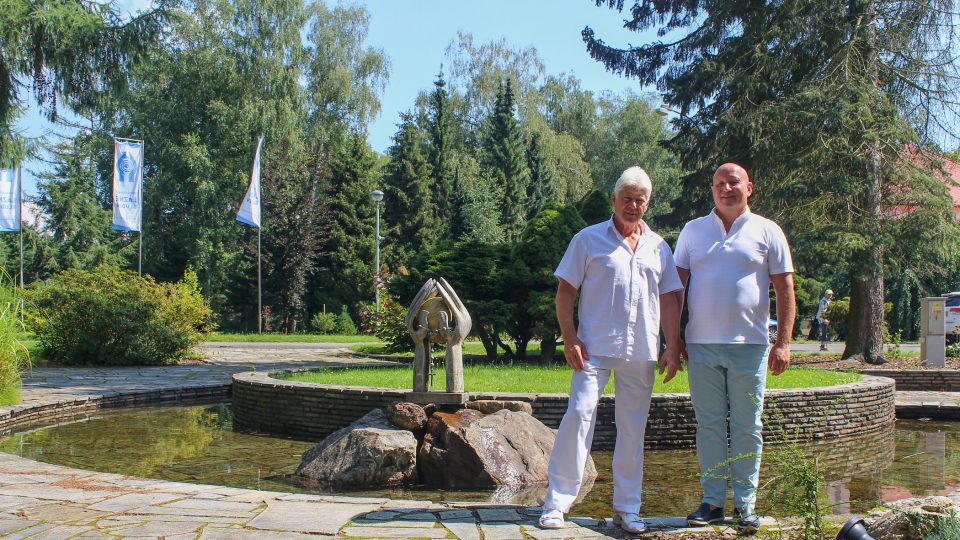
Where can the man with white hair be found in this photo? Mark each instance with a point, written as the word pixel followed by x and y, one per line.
pixel 627 281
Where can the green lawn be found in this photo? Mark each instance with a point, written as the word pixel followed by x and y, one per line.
pixel 474 348
pixel 537 379
pixel 289 338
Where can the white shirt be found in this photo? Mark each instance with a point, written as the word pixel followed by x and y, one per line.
pixel 728 291
pixel 620 290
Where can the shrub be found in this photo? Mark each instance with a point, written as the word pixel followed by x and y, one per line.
pixel 13 355
pixel 324 323
pixel 114 317
pixel 343 324
pixel 388 324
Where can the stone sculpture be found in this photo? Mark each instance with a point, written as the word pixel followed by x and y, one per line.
pixel 438 316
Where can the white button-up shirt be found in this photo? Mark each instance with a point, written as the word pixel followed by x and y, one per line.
pixel 728 291
pixel 620 290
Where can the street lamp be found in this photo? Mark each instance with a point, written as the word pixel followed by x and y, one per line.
pixel 377 196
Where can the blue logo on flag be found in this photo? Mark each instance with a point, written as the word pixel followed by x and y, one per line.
pixel 127 167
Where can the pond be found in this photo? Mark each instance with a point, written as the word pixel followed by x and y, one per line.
pixel 197 444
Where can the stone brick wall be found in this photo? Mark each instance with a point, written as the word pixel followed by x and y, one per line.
pixel 312 411
pixel 39 414
pixel 934 380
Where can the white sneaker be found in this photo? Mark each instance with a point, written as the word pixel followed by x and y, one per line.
pixel 629 522
pixel 551 518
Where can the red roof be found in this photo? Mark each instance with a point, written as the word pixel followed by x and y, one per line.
pixel 951 179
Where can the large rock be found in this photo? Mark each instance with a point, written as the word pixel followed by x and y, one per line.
pixel 468 449
pixel 368 453
pixel 406 415
pixel 909 519
pixel 490 406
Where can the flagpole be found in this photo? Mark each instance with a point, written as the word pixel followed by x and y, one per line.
pixel 143 158
pixel 20 215
pixel 259 290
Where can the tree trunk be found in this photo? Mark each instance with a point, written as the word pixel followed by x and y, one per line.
pixel 548 349
pixel 489 345
pixel 865 338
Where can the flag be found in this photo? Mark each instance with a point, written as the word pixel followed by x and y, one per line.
pixel 9 200
pixel 127 185
pixel 249 212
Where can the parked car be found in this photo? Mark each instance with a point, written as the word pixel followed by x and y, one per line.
pixel 952 316
pixel 772 330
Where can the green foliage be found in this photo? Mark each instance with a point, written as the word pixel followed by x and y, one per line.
pixel 388 323
pixel 595 207
pixel 113 317
pixel 945 529
pixel 343 323
pixel 409 210
pixel 13 355
pixel 542 189
pixel 505 161
pixel 953 350
pixel 838 313
pixel 324 322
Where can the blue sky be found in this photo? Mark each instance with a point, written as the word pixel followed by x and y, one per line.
pixel 415 33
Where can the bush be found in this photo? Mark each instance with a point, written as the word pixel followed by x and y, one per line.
pixel 114 317
pixel 13 356
pixel 324 323
pixel 388 324
pixel 343 324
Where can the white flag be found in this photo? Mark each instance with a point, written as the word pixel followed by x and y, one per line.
pixel 249 212
pixel 9 200
pixel 127 185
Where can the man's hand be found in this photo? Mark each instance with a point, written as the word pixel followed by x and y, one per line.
pixel 779 359
pixel 575 352
pixel 670 361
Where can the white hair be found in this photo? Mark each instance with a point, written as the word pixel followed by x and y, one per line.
pixel 634 177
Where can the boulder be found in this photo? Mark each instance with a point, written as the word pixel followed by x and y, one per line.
pixel 406 415
pixel 490 406
pixel 368 453
pixel 909 519
pixel 468 449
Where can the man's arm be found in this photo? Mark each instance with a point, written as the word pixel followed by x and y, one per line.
pixel 786 313
pixel 574 350
pixel 670 322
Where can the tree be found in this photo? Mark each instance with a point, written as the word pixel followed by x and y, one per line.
pixel 819 100
pixel 73 51
pixel 541 190
pixel 346 278
pixel 505 161
pixel 477 203
pixel 441 131
pixel 408 203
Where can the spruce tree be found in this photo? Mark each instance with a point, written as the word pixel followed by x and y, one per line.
pixel 346 274
pixel 408 208
pixel 441 140
pixel 541 190
pixel 505 160
pixel 821 100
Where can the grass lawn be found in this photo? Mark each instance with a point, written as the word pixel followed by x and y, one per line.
pixel 538 379
pixel 289 338
pixel 474 348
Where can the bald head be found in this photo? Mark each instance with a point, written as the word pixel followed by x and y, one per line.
pixel 731 190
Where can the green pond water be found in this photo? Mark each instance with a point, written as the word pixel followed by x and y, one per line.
pixel 197 444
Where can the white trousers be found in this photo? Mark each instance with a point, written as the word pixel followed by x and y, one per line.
pixel 633 386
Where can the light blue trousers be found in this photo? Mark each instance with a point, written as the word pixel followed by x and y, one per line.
pixel 727 382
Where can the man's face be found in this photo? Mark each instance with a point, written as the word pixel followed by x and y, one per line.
pixel 630 203
pixel 731 188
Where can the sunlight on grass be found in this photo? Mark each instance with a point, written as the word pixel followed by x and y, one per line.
pixel 536 379
pixel 289 338
pixel 470 348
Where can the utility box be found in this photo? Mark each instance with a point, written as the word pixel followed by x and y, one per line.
pixel 933 339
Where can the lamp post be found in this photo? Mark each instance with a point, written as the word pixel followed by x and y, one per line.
pixel 377 196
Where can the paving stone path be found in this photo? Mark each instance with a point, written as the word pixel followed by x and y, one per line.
pixel 41 501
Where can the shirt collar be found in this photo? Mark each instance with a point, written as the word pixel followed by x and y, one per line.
pixel 742 217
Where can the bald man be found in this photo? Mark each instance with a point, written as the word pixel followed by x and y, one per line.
pixel 726 261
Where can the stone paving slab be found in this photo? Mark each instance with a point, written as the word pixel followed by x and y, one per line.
pixel 319 518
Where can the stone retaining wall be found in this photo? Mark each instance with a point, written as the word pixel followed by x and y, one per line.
pixel 37 414
pixel 933 380
pixel 312 411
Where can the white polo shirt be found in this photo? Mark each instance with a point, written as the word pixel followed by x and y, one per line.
pixel 728 291
pixel 619 290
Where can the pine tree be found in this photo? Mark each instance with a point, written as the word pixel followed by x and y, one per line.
pixel 820 100
pixel 505 159
pixel 541 190
pixel 408 207
pixel 346 278
pixel 441 139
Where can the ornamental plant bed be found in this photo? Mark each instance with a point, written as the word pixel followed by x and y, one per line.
pixel 893 363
